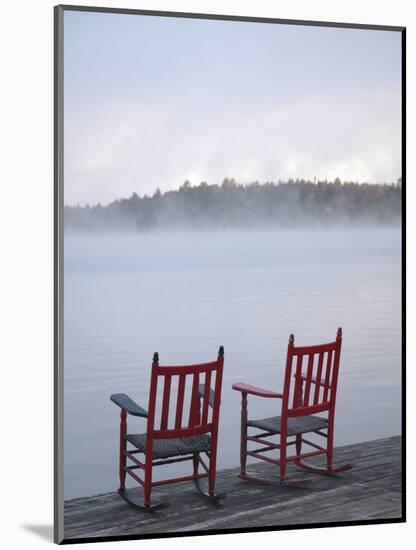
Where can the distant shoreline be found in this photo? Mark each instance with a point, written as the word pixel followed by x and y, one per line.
pixel 296 203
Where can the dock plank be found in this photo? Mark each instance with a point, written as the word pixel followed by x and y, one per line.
pixel 371 491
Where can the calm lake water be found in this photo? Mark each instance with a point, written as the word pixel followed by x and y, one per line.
pixel 184 294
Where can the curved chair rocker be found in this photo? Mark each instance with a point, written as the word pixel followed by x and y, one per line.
pixel 184 440
pixel 312 391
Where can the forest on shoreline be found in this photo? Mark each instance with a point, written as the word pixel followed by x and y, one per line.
pixel 286 203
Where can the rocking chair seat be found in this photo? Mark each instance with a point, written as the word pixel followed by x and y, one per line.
pixel 295 425
pixel 165 448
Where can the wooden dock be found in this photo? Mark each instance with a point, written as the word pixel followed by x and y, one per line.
pixel 371 491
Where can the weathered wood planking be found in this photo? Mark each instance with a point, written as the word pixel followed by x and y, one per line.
pixel 372 490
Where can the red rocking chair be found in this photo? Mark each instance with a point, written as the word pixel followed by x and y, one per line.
pixel 177 440
pixel 311 391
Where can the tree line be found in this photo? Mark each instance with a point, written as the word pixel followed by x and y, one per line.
pixel 232 204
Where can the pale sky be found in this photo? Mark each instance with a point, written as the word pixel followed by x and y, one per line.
pixel 153 101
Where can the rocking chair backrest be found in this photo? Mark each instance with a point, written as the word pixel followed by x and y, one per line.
pixel 311 377
pixel 176 408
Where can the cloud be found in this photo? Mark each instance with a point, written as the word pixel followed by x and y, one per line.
pixel 120 146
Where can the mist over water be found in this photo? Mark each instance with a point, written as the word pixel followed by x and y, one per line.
pixel 185 293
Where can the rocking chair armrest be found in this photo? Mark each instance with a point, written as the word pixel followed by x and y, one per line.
pixel 127 404
pixel 201 391
pixel 253 390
